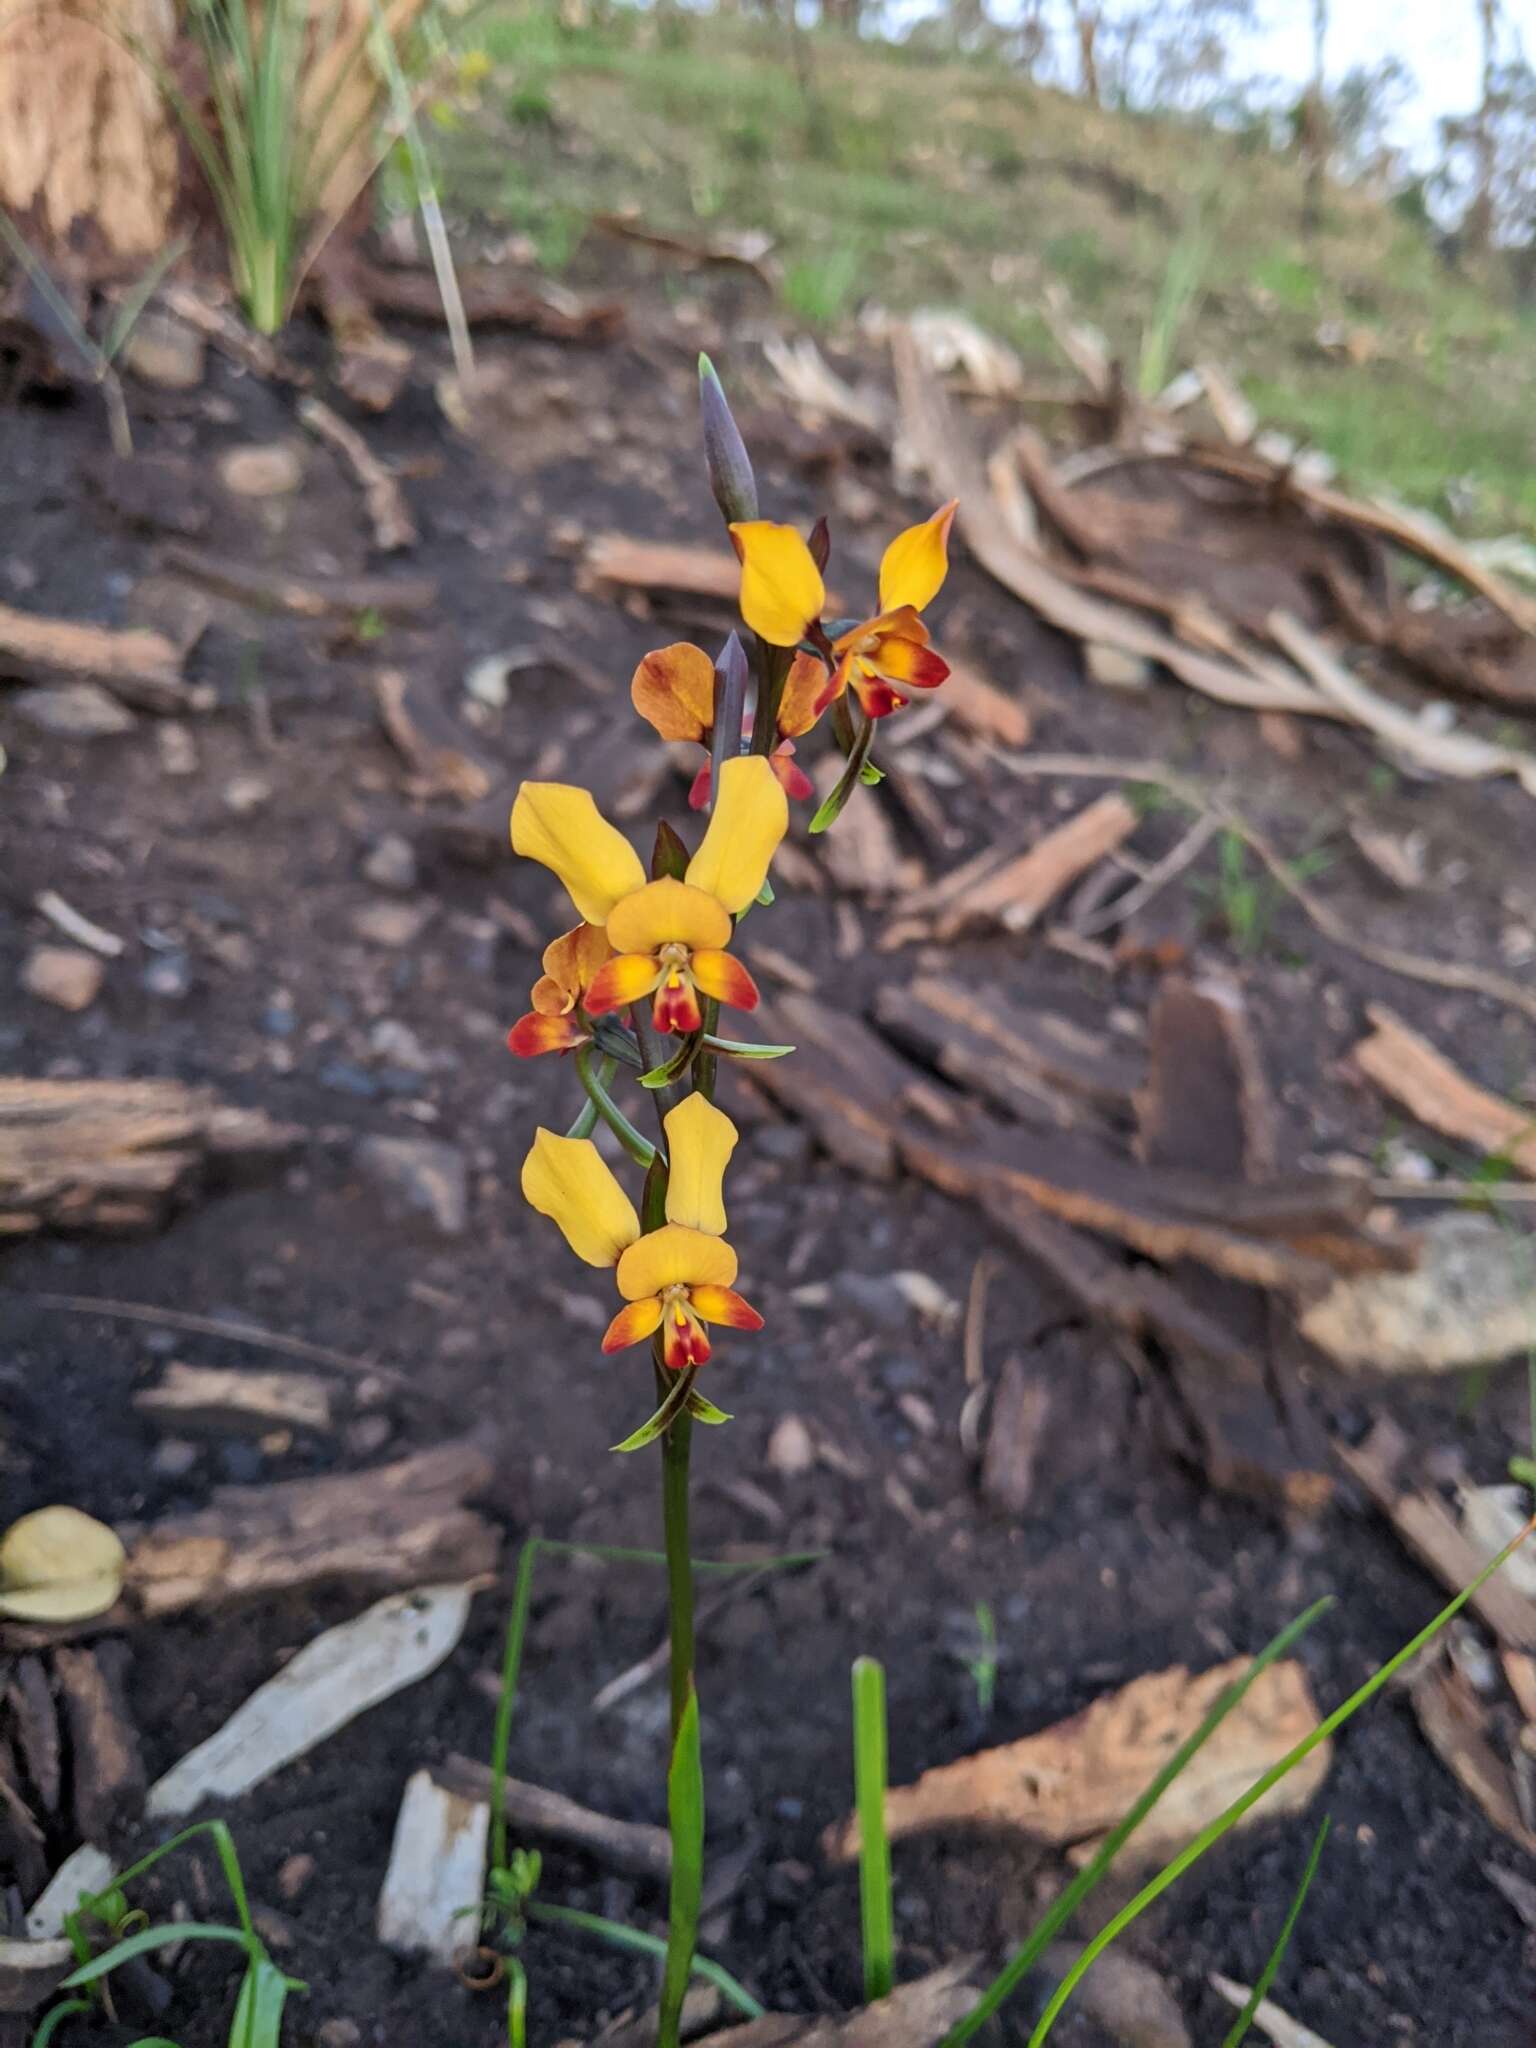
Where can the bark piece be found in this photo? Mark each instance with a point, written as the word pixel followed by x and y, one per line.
pixel 393 1526
pixel 982 708
pixel 308 597
pixel 1470 1301
pixel 1457 1727
pixel 634 1846
pixel 435 749
pixel 1125 1995
pixel 1073 1781
pixel 324 1686
pixel 216 1401
pixel 1020 1410
pixel 436 1875
pixel 915 2015
pixel 115 1155
pixel 35 1729
pixel 106 1765
pixel 383 499
pixel 134 663
pixel 491 300
pixel 1410 1070
pixel 1032 1061
pixel 1013 892
pixel 1429 1531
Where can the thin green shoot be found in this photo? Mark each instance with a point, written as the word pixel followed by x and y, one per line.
pixel 50 2023
pixel 620 1936
pixel 983 1665
pixel 517 2004
pixel 1267 1975
pixel 1209 1836
pixel 876 1916
pixel 1088 1879
pixel 685 1818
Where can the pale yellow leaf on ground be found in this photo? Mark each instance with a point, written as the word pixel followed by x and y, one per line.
pixel 58 1564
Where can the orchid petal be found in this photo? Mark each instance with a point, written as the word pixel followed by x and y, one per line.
pixel 633 1324
pixel 781 588
pixel 670 912
pixel 674 690
pixel 724 1305
pixel 561 827
pixel 535 1034
pixel 568 1180
pixel 674 1256
pixel 620 981
pixel 805 696
pixel 750 817
pixel 722 976
pixel 914 566
pixel 700 1141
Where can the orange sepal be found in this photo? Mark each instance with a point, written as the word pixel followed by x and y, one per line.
pixel 724 1305
pixel 636 1321
pixel 674 690
pixel 535 1034
pixel 806 696
pixel 622 980
pixel 722 976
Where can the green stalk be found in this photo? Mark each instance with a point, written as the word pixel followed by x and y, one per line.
pixel 869 1777
pixel 675 1448
pixel 685 1820
pixel 641 1150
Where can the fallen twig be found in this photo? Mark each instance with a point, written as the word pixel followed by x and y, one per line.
pixel 392 524
pixel 310 597
pixel 1414 1073
pixel 634 1846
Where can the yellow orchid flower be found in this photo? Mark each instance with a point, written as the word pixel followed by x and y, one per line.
pixel 675 1279
pixel 555 1023
pixel 884 658
pixel 669 937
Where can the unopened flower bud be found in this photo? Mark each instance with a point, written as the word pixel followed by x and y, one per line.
pixel 725 453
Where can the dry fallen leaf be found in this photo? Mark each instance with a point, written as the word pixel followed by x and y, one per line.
pixel 58 1564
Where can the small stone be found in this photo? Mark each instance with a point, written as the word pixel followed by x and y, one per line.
pixel 391 924
pixel 784 1144
pixel 279 1019
pixel 293 1873
pixel 178 753
pixel 164 351
pixel 791 1448
pixel 368 1435
pixel 240 1463
pixel 902 1375
pixel 486 681
pixel 877 1299
pixel 74 711
pixel 391 863
pixel 168 977
pixel 65 976
pixel 174 1457
pixel 398 1043
pixel 348 1079
pixel 246 793
pixel 268 470
pixel 420 1177
pixel 339 2034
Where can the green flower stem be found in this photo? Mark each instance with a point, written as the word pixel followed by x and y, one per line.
pixel 586 1119
pixel 773 665
pixel 639 1149
pixel 654 1054
pixel 675 1448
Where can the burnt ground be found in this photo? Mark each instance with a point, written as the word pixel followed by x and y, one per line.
pixel 246 876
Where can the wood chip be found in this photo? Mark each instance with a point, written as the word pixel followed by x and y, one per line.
pixel 1073 1781
pixel 1014 891
pixel 1458 1728
pixel 213 1400
pixel 324 1686
pixel 915 2015
pixel 306 596
pixel 387 1527
pixel 439 755
pixel 107 1768
pixel 1020 1410
pixel 1410 1070
pixel 436 1876
pixel 1429 1531
pixel 116 1155
pixel 136 664
pixel 982 708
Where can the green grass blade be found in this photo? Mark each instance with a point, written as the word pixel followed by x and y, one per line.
pixel 517 2004
pixel 146 1939
pixel 1209 1836
pixel 1091 1876
pixel 51 2022
pixel 685 1817
pixel 1260 1991
pixel 620 1936
pixel 876 1915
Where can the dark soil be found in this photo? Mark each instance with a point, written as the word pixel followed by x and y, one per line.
pixel 1123 1565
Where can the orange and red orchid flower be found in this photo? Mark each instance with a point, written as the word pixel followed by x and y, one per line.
pixel 674 690
pixel 669 937
pixel 882 659
pixel 555 1023
pixel 675 1279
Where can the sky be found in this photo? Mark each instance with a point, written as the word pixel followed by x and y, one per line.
pixel 1436 39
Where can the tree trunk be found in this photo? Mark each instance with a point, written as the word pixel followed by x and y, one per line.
pixel 88 146
pixel 1478 225
pixel 1086 21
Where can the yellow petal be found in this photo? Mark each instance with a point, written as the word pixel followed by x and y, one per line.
pixel 560 826
pixel 700 1141
pixel 674 689
pixel 665 911
pixel 568 1180
pixel 914 566
pixel 672 1255
pixel 58 1564
pixel 750 817
pixel 781 588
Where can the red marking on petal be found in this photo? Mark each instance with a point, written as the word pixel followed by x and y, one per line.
pixel 797 783
pixel 724 1305
pixel 623 979
pixel 910 664
pixel 677 1007
pixel 877 697
pixel 685 1342
pixel 722 976
pixel 698 795
pixel 533 1034
pixel 636 1321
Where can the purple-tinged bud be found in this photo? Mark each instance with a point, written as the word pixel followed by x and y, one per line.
pixel 820 543
pixel 725 453
pixel 730 705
